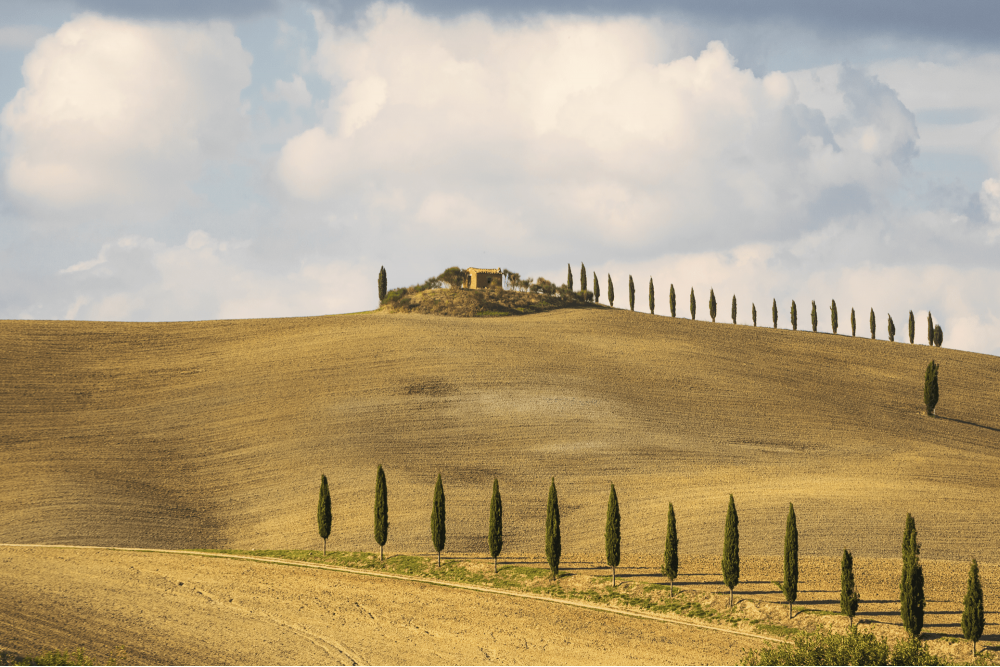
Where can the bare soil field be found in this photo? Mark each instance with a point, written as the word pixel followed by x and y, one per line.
pixel 180 609
pixel 214 435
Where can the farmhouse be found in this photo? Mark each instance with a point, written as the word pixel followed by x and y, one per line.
pixel 481 278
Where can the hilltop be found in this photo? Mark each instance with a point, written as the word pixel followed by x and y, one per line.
pixel 214 434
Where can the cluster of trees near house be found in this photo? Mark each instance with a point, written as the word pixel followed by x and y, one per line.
pixel 911 586
pixel 457 278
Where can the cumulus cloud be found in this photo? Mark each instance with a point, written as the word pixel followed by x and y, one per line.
pixel 116 113
pixel 589 126
pixel 139 278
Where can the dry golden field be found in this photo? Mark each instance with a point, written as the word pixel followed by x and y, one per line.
pixel 214 435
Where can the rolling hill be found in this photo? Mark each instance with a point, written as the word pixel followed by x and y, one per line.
pixel 214 434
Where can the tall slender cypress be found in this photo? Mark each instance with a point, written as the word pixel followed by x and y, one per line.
pixel 437 519
pixel 670 550
pixel 731 550
pixel 833 315
pixel 892 330
pixel 753 313
pixel 774 312
pixel 849 597
pixel 913 327
pixel 795 317
pixel 938 335
pixel 611 292
pixel 711 304
pixel 496 521
pixel 631 293
pixel 324 514
pixel 569 277
pixel 583 278
pixel 871 322
pixel 613 535
pixel 381 511
pixel 813 317
pixel 973 614
pixel 597 289
pixel 652 302
pixel 911 586
pixel 931 388
pixel 673 301
pixel 790 586
pixel 692 303
pixel 854 324
pixel 734 309
pixel 553 540
pixel 930 328
pixel 383 285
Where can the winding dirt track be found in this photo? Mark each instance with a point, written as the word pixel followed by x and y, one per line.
pixel 169 608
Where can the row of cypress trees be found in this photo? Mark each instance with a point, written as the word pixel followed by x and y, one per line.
pixel 911 587
pixel 935 335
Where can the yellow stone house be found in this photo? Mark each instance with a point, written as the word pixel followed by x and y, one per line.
pixel 480 278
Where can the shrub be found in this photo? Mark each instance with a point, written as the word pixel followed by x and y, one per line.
pixel 930 388
pixel 938 335
pixel 854 648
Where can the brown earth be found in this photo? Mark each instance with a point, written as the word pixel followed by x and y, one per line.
pixel 214 434
pixel 179 609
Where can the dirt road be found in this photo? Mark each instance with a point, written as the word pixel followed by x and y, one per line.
pixel 182 609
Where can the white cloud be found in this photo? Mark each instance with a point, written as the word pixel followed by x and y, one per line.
pixel 122 114
pixel 587 126
pixel 294 93
pixel 135 278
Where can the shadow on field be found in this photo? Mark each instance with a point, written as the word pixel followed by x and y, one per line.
pixel 968 423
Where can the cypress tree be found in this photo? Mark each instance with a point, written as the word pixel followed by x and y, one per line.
pixel 597 289
pixel 382 284
pixel 871 323
pixel 381 511
pixel 613 535
pixel 833 315
pixel 774 312
pixel 496 521
pixel 931 388
pixel 790 586
pixel 731 550
pixel 673 301
pixel 795 317
pixel 815 321
pixel 973 615
pixel 734 309
pixel 583 278
pixel 930 328
pixel 652 302
pixel 711 304
pixel 892 331
pixel 854 324
pixel 912 597
pixel 753 313
pixel 913 327
pixel 631 293
pixel 324 514
pixel 569 277
pixel 611 292
pixel 670 551
pixel 692 303
pixel 938 335
pixel 849 597
pixel 911 585
pixel 553 540
pixel 437 519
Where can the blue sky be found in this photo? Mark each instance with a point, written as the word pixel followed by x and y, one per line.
pixel 219 159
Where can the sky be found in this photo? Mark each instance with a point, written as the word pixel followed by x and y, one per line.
pixel 205 159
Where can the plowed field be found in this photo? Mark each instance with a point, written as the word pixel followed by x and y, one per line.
pixel 214 434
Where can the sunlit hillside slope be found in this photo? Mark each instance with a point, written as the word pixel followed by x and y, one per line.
pixel 214 434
